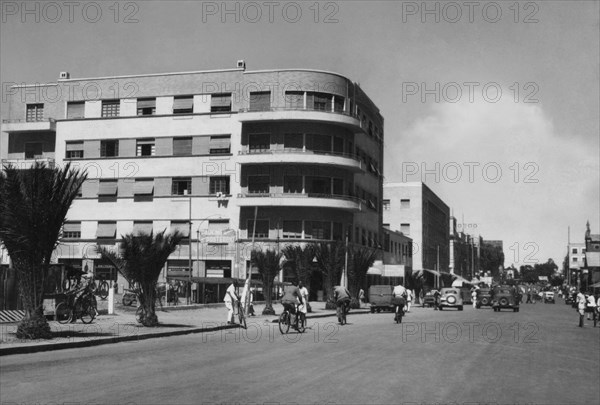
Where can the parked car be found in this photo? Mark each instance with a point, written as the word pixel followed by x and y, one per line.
pixel 548 297
pixel 484 297
pixel 505 297
pixel 380 298
pixel 429 299
pixel 450 298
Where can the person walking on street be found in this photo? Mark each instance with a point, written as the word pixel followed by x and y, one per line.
pixel 409 298
pixel 474 297
pixel 590 306
pixel 581 304
pixel 231 298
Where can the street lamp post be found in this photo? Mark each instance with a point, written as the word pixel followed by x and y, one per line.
pixel 189 286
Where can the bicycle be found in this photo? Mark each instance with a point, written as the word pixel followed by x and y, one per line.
pixel 285 320
pixel 342 311
pixel 84 307
pixel 241 315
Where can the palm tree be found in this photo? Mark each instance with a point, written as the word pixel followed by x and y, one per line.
pixel 33 207
pixel 141 259
pixel 267 263
pixel 361 258
pixel 330 260
pixel 302 257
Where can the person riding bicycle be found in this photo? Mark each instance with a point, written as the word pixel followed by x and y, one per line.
pixel 341 296
pixel 399 300
pixel 291 297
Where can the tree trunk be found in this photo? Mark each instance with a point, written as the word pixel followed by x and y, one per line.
pixel 149 303
pixel 34 325
pixel 268 298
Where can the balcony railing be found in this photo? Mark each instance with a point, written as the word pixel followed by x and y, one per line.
pixel 297 150
pixel 301 195
pixel 22 120
pixel 27 163
pixel 25 125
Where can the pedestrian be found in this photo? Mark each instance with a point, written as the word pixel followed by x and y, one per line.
pixel 590 306
pixel 474 297
pixel 581 304
pixel 528 295
pixel 361 297
pixel 436 299
pixel 250 305
pixel 304 294
pixel 409 298
pixel 231 299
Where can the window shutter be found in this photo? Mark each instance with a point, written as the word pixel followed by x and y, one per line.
pixel 260 101
pixel 182 227
pixel 180 103
pixel 106 230
pixel 220 100
pixel 220 142
pixel 182 146
pixel 72 227
pixel 76 110
pixel 143 187
pixel 142 227
pixel 108 188
pixel 74 146
pixel 146 103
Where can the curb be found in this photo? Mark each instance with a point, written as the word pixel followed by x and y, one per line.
pixel 117 339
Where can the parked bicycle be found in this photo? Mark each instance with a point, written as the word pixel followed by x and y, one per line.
pixel 83 307
pixel 239 309
pixel 296 321
pixel 101 288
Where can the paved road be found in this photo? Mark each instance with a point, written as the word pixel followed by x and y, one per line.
pixel 538 356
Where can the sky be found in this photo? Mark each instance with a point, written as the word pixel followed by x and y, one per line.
pixel 494 105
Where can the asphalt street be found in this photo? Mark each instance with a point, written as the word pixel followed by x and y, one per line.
pixel 537 355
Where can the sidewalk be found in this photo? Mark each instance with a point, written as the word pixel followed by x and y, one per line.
pixel 122 326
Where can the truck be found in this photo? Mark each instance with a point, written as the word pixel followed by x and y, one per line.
pixel 380 298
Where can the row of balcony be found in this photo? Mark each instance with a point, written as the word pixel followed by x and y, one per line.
pixel 345 119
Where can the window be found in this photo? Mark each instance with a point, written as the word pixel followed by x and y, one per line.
pixel 405 229
pixel 293 141
pixel 182 227
pixel 574 259
pixel 338 186
pixel 75 109
pixel 34 150
pixel 258 143
pixel 143 189
pixel 386 205
pixel 338 104
pixel 317 230
pixel 574 251
pixel 322 101
pixel 182 146
pixel 72 230
pixel 146 106
pixel 111 108
pixel 34 112
pixel 338 145
pixel 107 191
pixel 318 185
pixel 404 203
pixel 220 144
pixel 294 100
pixel 145 147
pixel 292 184
pixel 292 229
pixel 261 230
pixel 319 143
pixel 181 186
pixel 258 184
pixel 219 185
pixel 260 101
pixel 183 105
pixel 74 150
pixel 140 227
pixel 109 148
pixel 220 102
pixel 106 230
pixel 218 225
pixel 338 233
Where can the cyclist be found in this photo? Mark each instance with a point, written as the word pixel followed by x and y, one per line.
pixel 291 298
pixel 341 296
pixel 399 300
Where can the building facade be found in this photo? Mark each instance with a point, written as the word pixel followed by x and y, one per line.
pixel 416 211
pixel 463 252
pixel 234 159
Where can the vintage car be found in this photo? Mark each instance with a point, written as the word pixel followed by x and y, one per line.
pixel 505 297
pixel 484 297
pixel 549 297
pixel 380 298
pixel 450 298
